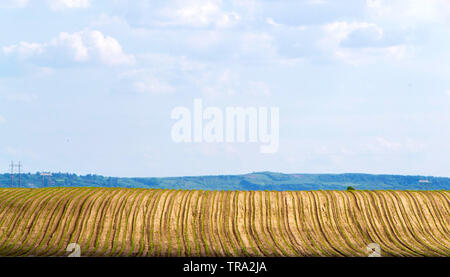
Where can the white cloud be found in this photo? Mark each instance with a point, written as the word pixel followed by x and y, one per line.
pixel 73 45
pixel 369 33
pixel 316 2
pixel 24 49
pixel 448 92
pixel 382 145
pixel 272 22
pixel 152 85
pixel 58 5
pixel 77 47
pixel 2 119
pixel 338 31
pixel 199 14
pixel 373 4
pixel 410 11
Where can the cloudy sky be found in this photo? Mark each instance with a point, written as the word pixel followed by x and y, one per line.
pixel 88 86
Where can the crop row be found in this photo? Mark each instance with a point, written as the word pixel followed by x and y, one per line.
pixel 155 222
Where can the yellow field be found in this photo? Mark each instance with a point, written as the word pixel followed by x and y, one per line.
pixel 151 222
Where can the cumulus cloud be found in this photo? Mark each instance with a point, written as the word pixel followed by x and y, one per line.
pixel 68 4
pixel 181 13
pixel 338 31
pixel 200 14
pixel 206 35
pixel 24 49
pixel 78 47
pixel 359 42
pixel 272 22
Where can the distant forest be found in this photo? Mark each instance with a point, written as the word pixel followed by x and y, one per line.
pixel 252 181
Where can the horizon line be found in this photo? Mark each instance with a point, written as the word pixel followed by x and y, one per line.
pixel 232 174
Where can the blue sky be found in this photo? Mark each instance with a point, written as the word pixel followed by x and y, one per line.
pixel 88 86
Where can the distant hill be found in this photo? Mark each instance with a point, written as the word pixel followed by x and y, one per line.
pixel 252 181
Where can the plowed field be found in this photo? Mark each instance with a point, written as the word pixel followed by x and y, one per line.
pixel 150 222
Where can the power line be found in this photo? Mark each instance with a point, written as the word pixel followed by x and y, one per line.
pixel 49 178
pixel 19 166
pixel 11 166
